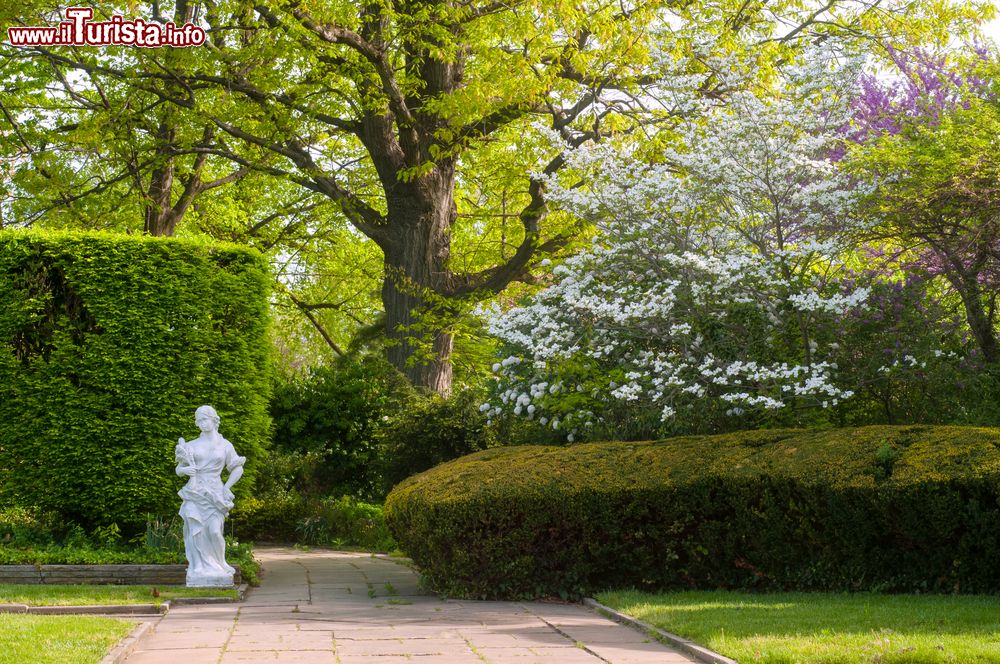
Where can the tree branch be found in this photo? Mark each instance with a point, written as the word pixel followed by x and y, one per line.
pixel 495 279
pixel 498 119
pixel 336 35
pixel 361 215
pixel 305 309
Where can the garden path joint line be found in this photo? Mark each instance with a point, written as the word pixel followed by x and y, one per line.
pixel 352 608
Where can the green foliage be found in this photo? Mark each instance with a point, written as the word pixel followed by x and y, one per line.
pixel 22 527
pixel 907 357
pixel 357 428
pixel 353 430
pixel 286 509
pixel 164 534
pixel 268 517
pixel 28 537
pixel 87 555
pixel 327 419
pixel 935 192
pixel 32 537
pixel 290 517
pixel 240 554
pixel 874 508
pixel 107 346
pixel 431 430
pixel 346 521
pixel 325 444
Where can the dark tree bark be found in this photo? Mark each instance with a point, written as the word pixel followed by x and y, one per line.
pixel 964 256
pixel 416 275
pixel 159 218
pixel 980 320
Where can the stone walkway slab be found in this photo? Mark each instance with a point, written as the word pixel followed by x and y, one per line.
pixel 328 607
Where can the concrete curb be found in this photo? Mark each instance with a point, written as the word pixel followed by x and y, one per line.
pixel 188 601
pixel 690 647
pixel 121 609
pixel 102 610
pixel 129 644
pixel 14 608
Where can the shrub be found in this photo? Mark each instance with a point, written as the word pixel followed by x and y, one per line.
pixel 87 555
pixel 268 518
pixel 874 508
pixel 23 527
pixel 328 418
pixel 345 521
pixel 107 346
pixel 164 534
pixel 31 537
pixel 240 554
pixel 430 430
pixel 907 357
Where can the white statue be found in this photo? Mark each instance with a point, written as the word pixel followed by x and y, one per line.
pixel 206 500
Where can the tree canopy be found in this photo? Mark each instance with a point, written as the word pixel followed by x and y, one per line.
pixel 428 127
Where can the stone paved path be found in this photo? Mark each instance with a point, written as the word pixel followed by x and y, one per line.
pixel 352 608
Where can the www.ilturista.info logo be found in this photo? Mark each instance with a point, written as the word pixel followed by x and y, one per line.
pixel 79 30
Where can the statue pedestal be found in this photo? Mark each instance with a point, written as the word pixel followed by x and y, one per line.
pixel 209 580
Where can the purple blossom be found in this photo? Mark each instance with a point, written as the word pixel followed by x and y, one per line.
pixel 926 87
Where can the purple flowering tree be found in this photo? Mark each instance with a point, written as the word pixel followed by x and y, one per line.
pixel 927 139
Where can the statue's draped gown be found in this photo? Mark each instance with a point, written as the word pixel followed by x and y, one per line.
pixel 206 502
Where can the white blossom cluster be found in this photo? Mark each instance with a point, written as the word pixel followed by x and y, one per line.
pixel 909 362
pixel 713 270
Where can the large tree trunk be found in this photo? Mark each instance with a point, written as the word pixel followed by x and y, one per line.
pixel 159 219
pixel 980 324
pixel 416 276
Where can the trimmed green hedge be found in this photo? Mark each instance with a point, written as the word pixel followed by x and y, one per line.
pixel 875 508
pixel 107 346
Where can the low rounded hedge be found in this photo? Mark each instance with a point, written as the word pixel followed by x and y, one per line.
pixel 876 508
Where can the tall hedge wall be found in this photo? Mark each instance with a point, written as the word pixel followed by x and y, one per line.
pixel 107 346
pixel 875 508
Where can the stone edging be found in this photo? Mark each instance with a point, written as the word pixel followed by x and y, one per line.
pixel 139 575
pixel 121 609
pixel 690 647
pixel 89 609
pixel 241 591
pixel 127 646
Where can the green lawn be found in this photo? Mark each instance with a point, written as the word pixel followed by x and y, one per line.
pixel 55 595
pixel 814 628
pixel 58 639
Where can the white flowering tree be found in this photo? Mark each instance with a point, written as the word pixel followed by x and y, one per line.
pixel 714 280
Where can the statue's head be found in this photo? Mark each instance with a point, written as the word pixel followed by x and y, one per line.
pixel 206 418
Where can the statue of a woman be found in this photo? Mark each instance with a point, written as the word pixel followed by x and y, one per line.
pixel 206 500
